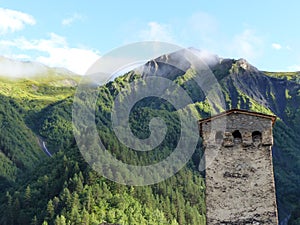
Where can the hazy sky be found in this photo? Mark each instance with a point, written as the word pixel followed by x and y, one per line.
pixel 73 34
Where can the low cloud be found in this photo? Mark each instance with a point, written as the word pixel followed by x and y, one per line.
pixel 55 52
pixel 73 18
pixel 11 20
pixel 14 68
pixel 206 56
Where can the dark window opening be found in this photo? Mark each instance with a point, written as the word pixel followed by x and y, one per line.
pixel 256 136
pixel 237 137
pixel 219 137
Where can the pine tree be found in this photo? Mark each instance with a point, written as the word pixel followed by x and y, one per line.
pixel 85 217
pixel 16 209
pixel 60 220
pixel 56 202
pixel 9 214
pixel 50 211
pixel 34 221
pixel 78 183
pixel 27 196
pixel 66 199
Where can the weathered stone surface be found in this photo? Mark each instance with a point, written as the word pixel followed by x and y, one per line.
pixel 239 182
pixel 267 137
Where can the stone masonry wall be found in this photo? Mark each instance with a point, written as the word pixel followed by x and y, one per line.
pixel 239 180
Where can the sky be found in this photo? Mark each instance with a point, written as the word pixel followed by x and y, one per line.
pixel 74 34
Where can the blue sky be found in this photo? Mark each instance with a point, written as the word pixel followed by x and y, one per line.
pixel 73 34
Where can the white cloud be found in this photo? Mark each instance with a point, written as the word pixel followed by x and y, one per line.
pixel 276 46
pixel 57 52
pixel 156 32
pixel 203 23
pixel 68 21
pixel 206 56
pixel 247 45
pixel 14 68
pixel 21 57
pixel 201 30
pixel 11 20
pixel 198 28
pixel 75 59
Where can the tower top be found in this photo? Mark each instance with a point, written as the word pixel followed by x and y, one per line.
pixel 237 111
pixel 240 111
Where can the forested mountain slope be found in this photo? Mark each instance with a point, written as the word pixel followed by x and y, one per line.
pixel 64 189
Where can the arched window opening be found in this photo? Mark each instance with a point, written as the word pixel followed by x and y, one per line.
pixel 237 137
pixel 219 136
pixel 256 136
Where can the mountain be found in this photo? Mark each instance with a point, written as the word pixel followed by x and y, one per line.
pixel 21 98
pixel 64 189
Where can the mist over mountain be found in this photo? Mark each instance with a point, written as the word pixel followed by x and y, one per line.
pixel 36 107
pixel 25 69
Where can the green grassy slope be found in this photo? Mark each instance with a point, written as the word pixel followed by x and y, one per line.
pixel 21 101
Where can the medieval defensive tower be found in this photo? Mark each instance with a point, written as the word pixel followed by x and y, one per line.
pixel 240 185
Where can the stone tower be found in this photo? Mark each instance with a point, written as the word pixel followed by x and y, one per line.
pixel 240 185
